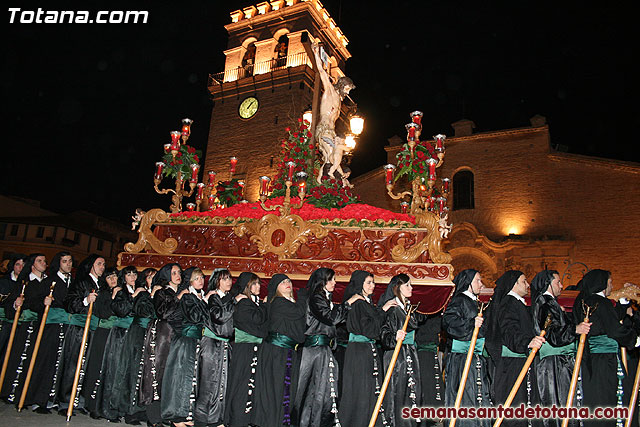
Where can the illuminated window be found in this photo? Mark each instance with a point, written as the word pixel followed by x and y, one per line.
pixel 463 190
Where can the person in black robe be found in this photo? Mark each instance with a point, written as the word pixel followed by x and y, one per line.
pixel 120 322
pixel 317 393
pixel 215 351
pixel 157 342
pixel 82 291
pixel 124 399
pixel 509 337
pixel 182 372
pixel 405 388
pixel 32 275
pixel 459 321
pixel 363 373
pixel 278 359
pixel 145 278
pixel 602 369
pixel 428 346
pixel 7 283
pixel 557 354
pixel 112 307
pixel 249 322
pixel 41 390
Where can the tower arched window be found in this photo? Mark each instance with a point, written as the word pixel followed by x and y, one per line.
pixel 463 190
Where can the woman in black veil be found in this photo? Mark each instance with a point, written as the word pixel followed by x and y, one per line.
pixel 363 371
pixel 157 341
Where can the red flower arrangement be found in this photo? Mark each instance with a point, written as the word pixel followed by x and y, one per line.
pixel 182 162
pixel 342 216
pixel 229 192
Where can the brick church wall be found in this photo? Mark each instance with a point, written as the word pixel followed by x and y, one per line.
pixel 525 188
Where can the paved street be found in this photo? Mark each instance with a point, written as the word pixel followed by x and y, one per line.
pixel 9 417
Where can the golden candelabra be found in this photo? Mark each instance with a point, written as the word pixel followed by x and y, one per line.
pixel 285 207
pixel 174 148
pixel 422 190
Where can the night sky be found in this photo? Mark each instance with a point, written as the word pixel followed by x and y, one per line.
pixel 87 107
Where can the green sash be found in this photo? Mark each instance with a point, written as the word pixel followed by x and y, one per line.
pixel 209 333
pixel 343 344
pixel 410 338
pixel 508 353
pixel 79 319
pixel 28 316
pixel 143 322
pixel 317 340
pixel 242 336
pixel 360 338
pixel 463 346
pixel 432 347
pixel 108 323
pixel 281 340
pixel 2 318
pixel 549 350
pixel 57 316
pixel 602 344
pixel 123 322
pixel 192 331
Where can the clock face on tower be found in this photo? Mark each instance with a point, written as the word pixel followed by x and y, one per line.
pixel 248 107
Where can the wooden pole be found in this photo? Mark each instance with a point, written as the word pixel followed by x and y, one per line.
pixel 12 335
pixel 634 397
pixel 36 347
pixel 465 371
pixel 623 357
pixel 387 377
pixel 523 372
pixel 76 378
pixel 576 371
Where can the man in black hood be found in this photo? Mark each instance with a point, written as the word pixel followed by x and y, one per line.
pixel 557 354
pixel 601 364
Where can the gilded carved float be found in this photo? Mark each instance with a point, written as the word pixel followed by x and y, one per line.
pixel 295 246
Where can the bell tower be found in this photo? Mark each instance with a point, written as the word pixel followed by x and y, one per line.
pixel 267 83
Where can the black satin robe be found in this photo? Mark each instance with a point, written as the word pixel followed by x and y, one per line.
pixel 317 394
pixel 23 340
pixel 458 322
pixel 105 347
pixel 553 373
pixel 181 375
pixel 428 335
pixel 157 343
pixel 363 372
pixel 251 318
pixel 213 362
pixel 405 388
pixel 125 396
pixel 516 331
pixel 278 368
pixel 121 306
pixel 599 370
pixel 41 389
pixel 73 303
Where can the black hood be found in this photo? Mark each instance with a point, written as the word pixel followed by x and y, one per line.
pixel 273 284
pixel 463 280
pixel 355 284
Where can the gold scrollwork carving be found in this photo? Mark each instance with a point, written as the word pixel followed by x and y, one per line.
pixel 432 243
pixel 147 240
pixel 294 232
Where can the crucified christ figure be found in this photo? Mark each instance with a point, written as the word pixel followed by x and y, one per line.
pixel 331 146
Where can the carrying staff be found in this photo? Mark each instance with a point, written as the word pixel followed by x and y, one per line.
pixel 18 305
pixel 36 347
pixel 463 323
pixel 74 389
